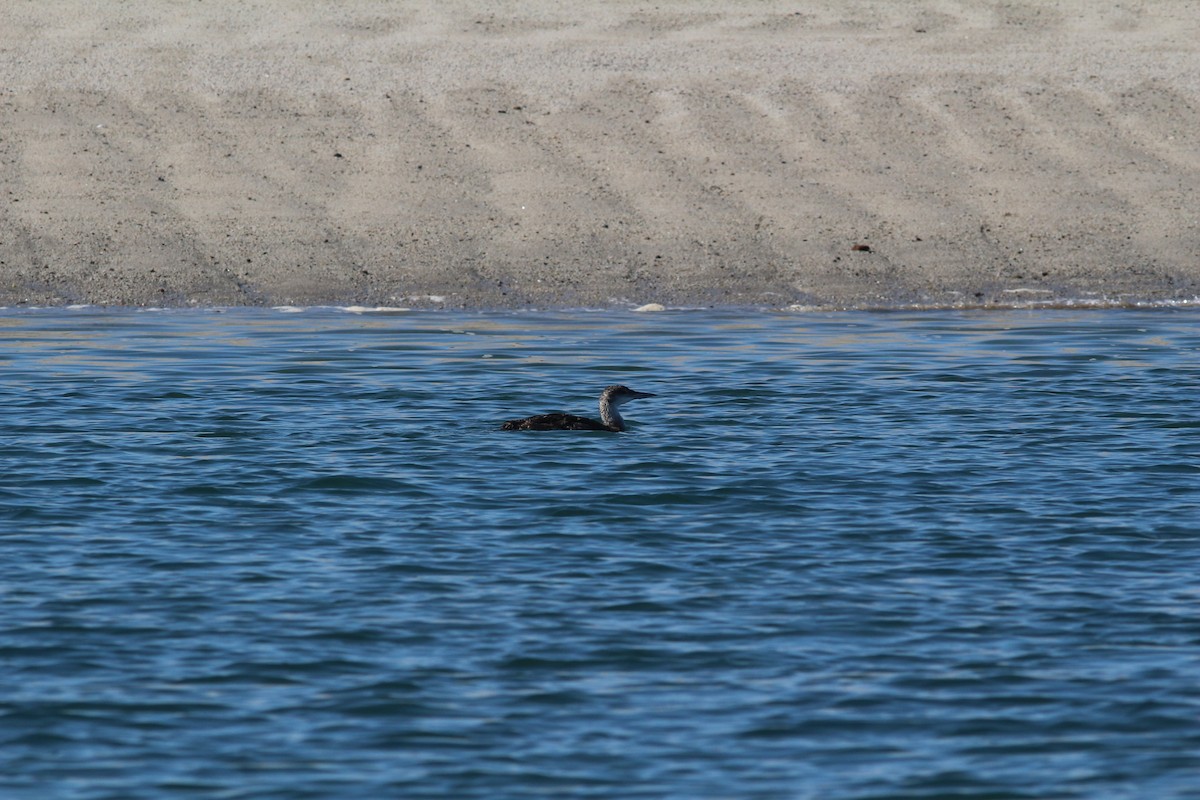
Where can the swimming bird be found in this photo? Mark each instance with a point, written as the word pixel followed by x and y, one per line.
pixel 610 419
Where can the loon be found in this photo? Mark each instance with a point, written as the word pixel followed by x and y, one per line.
pixel 610 419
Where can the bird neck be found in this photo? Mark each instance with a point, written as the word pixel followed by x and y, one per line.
pixel 610 416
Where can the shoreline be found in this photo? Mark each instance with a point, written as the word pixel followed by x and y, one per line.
pixel 1082 305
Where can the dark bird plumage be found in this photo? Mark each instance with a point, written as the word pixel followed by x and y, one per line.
pixel 610 419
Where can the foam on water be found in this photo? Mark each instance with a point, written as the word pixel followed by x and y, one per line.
pixel 257 553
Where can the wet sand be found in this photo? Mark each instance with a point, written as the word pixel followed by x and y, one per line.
pixel 823 154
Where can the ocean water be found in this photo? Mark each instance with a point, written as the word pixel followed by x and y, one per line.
pixel 257 554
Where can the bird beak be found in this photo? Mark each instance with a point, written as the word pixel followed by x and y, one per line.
pixel 637 394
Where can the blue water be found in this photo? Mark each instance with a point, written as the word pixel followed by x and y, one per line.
pixel 256 554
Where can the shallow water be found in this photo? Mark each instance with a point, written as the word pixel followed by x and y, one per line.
pixel 258 554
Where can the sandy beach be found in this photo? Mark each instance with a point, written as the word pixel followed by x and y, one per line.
pixel 814 153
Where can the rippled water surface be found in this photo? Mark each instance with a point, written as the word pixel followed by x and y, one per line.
pixel 260 554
